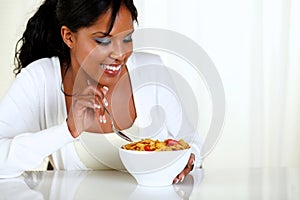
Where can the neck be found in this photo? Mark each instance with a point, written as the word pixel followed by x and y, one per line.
pixel 74 81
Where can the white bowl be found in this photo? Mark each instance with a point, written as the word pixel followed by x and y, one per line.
pixel 154 168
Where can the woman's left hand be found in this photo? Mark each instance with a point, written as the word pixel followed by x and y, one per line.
pixel 188 168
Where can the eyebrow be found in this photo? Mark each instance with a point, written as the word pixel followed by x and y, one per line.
pixel 105 34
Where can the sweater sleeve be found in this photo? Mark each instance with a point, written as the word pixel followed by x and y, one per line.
pixel 27 150
pixel 25 137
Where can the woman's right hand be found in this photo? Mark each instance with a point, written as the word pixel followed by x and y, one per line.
pixel 87 110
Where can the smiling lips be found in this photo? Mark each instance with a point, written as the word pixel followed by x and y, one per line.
pixel 111 70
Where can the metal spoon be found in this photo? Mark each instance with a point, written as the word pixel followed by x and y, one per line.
pixel 117 131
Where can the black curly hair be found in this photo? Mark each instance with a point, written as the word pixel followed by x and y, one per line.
pixel 42 37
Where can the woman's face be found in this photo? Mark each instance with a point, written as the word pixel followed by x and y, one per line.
pixel 101 57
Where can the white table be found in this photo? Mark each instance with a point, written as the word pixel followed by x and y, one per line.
pixel 250 184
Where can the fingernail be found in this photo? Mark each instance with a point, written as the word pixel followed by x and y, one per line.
pixel 88 82
pixel 181 179
pixel 97 106
pixel 104 119
pixel 101 119
pixel 176 181
pixel 105 102
pixel 105 88
pixel 193 161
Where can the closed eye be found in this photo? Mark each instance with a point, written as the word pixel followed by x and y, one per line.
pixel 128 38
pixel 103 40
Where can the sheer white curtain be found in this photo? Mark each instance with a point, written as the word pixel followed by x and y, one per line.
pixel 255 46
pixel 275 91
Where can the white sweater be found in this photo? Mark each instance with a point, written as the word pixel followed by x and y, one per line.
pixel 33 115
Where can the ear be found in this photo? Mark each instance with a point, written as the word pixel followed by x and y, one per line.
pixel 67 36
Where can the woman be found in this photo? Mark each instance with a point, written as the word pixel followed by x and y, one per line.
pixel 72 62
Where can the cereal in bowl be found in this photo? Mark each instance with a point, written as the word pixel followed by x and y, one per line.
pixel 156 145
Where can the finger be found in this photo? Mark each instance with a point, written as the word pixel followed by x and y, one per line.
pixel 188 168
pixel 104 90
pixel 97 108
pixel 98 93
pixel 82 103
pixel 81 111
pixel 91 92
pixel 192 159
pixel 85 107
pixel 100 107
pixel 97 90
pixel 191 162
pixel 104 119
pixel 176 180
pixel 179 178
pixel 99 111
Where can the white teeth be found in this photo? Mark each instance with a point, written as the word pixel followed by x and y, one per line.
pixel 112 68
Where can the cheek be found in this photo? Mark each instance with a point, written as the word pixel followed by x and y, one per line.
pixel 87 54
pixel 102 52
pixel 93 57
pixel 81 52
pixel 99 54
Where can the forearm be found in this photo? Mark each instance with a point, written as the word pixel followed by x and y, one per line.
pixel 26 151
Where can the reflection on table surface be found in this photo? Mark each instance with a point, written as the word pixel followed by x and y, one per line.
pixel 109 184
pixel 262 184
